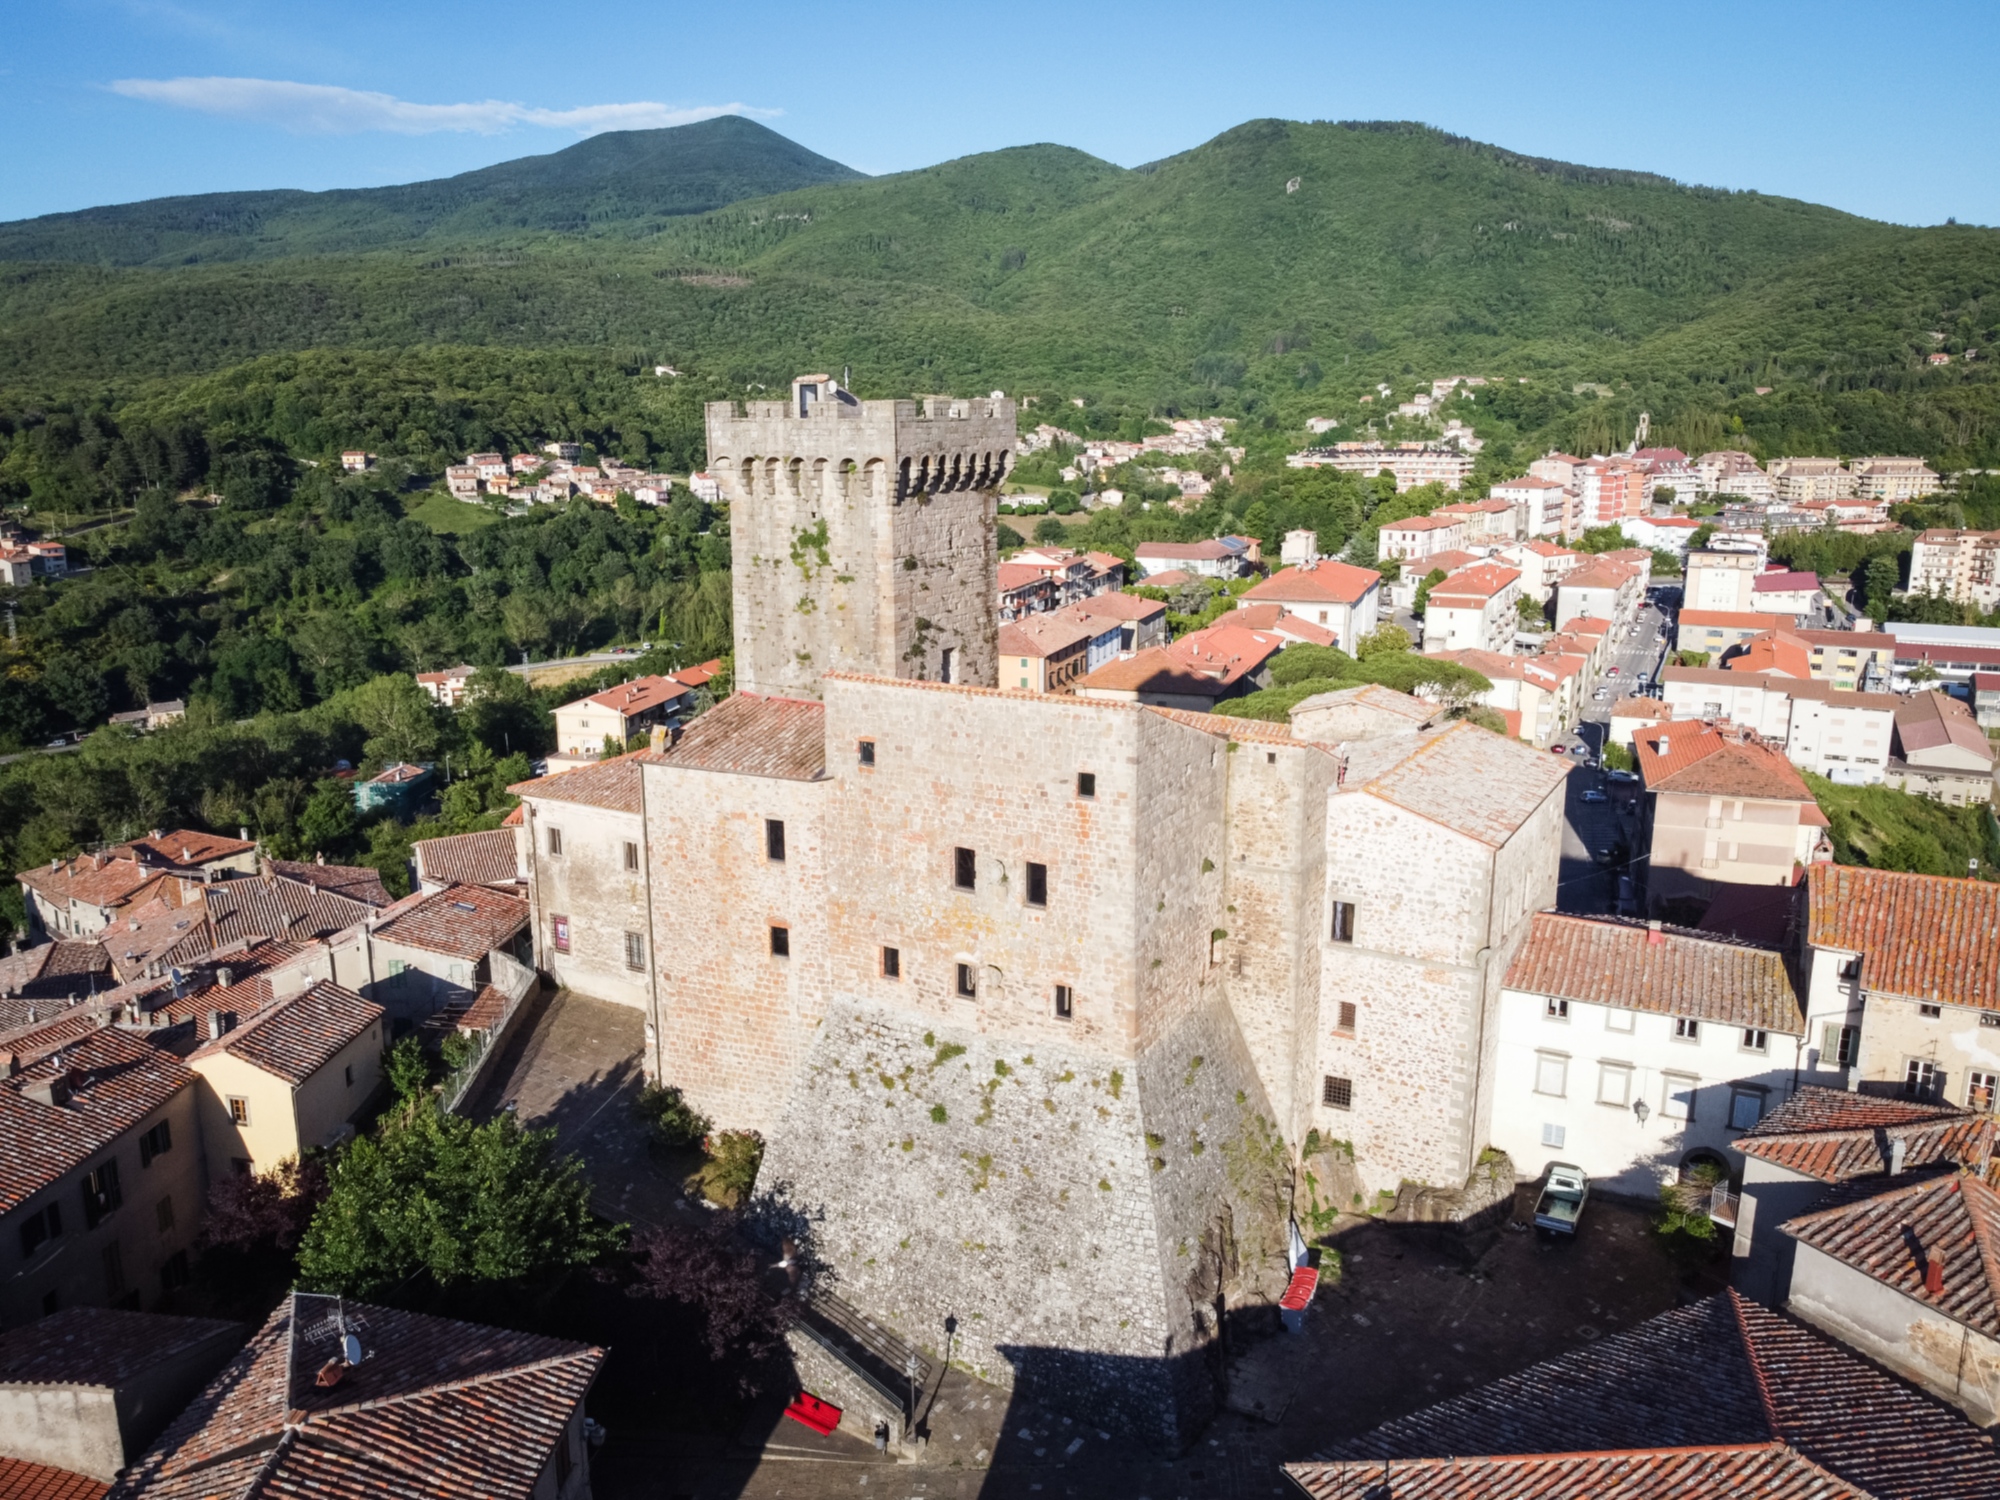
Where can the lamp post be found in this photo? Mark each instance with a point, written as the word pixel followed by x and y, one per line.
pixel 1639 1109
pixel 910 1370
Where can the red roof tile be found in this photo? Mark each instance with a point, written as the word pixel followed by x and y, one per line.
pixel 1211 551
pixel 93 880
pixel 1702 760
pixel 438 1410
pixel 1473 586
pixel 462 921
pixel 1842 1155
pixel 102 1345
pixel 1768 1471
pixel 1042 636
pixel 186 849
pixel 612 784
pixel 1628 966
pixel 53 971
pixel 356 882
pixel 1156 671
pixel 489 858
pixel 1896 1237
pixel 1328 582
pixel 109 1081
pixel 1120 606
pixel 1924 937
pixel 296 1037
pixel 751 735
pixel 1813 1108
pixel 638 696
pixel 21 1480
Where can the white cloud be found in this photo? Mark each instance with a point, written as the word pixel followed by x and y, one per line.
pixel 322 109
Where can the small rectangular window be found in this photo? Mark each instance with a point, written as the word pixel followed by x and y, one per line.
pixel 1347 1016
pixel 349 1071
pixel 968 982
pixel 1746 1108
pixel 1921 1079
pixel 164 1212
pixel 555 842
pixel 1618 1020
pixel 1336 1093
pixel 1930 1012
pixel 1556 1008
pixel 239 1110
pixel 1038 884
pixel 1840 1045
pixel 1552 1074
pixel 100 1194
pixel 559 933
pixel 781 942
pixel 1756 1039
pixel 155 1142
pixel 892 963
pixel 1980 1090
pixel 774 840
pixel 1850 968
pixel 1065 1002
pixel 1687 1029
pixel 866 751
pixel 1553 1136
pixel 635 952
pixel 1343 922
pixel 964 869
pixel 631 855
pixel 1086 783
pixel 1614 1084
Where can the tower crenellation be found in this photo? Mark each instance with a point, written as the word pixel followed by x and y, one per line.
pixel 862 534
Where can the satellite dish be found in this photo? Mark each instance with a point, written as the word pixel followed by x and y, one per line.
pixel 350 1349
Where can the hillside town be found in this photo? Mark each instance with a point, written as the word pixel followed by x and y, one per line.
pixel 1111 1026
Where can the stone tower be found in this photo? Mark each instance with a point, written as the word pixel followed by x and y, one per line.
pixel 862 533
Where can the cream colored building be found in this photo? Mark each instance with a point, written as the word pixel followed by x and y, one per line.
pixel 588 880
pixel 1721 581
pixel 1796 480
pixel 1893 479
pixel 1963 566
pixel 1474 610
pixel 289 1078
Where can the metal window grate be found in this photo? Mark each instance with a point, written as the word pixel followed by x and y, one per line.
pixel 1337 1093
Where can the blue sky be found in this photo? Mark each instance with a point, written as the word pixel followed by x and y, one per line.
pixel 1887 110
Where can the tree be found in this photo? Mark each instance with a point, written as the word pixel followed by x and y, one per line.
pixel 1915 853
pixel 435 1197
pixel 1303 663
pixel 251 1212
pixel 1882 577
pixel 1384 640
pixel 707 1267
pixel 1049 530
pixel 328 822
pixel 399 718
pixel 1431 580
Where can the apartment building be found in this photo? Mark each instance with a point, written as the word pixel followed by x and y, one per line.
pixel 1963 566
pixel 1474 609
pixel 1723 581
pixel 1344 599
pixel 1418 537
pixel 1893 479
pixel 1543 505
pixel 1797 481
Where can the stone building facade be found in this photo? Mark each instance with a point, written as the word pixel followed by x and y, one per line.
pixel 862 533
pixel 1037 999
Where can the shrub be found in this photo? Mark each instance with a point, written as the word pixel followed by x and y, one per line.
pixel 675 1123
pixel 731 1169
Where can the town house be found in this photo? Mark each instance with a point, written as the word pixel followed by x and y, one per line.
pixel 1339 596
pixel 1474 609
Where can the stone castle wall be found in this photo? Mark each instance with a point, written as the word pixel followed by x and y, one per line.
pixel 862 537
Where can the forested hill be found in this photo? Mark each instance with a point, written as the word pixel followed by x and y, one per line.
pixel 627 181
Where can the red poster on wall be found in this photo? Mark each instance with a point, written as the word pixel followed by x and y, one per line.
pixel 561 933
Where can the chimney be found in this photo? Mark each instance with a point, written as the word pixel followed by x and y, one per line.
pixel 1660 747
pixel 243 833
pixel 52 1091
pixel 225 977
pixel 1655 934
pixel 1933 1274
pixel 320 858
pixel 1898 1150
pixel 659 739
pixel 220 1024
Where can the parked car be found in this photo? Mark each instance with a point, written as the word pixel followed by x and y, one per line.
pixel 1579 749
pixel 1594 795
pixel 1623 777
pixel 1561 1203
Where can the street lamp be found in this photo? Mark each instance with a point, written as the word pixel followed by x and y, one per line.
pixel 910 1369
pixel 1639 1108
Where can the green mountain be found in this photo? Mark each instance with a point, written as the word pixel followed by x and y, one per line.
pixel 1278 269
pixel 625 182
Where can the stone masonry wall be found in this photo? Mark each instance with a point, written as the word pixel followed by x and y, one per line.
pixel 1015 1189
pixel 735 1022
pixel 862 537
pixel 589 884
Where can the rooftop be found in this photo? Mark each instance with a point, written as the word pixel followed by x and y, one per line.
pixel 1046 635
pixel 1784 583
pixel 638 696
pixel 437 1408
pixel 1628 966
pixel 1120 606
pixel 1699 759
pixel 1776 651
pixel 751 735
pixel 295 1038
pixel 1718 1381
pixel 1844 1152
pixel 1156 671
pixel 611 784
pixel 1327 582
pixel 356 882
pixel 1924 937
pixel 1474 585
pixel 1471 781
pixel 463 921
pixel 55 971
pixel 1423 523
pixel 186 849
pixel 107 1083
pixel 278 906
pixel 91 880
pixel 486 858
pixel 1373 696
pixel 101 1345
pixel 1897 1236
pixel 1934 720
pixel 21 1480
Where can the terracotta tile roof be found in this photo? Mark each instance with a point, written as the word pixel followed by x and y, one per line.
pixel 1926 937
pixel 1211 551
pixel 1172 578
pixel 400 774
pixel 1447 562
pixel 1422 523
pixel 695 677
pixel 1777 651
pixel 1157 670
pixel 1273 618
pixel 1014 576
pixel 1702 760
pixel 1328 582
pixel 1896 1237
pixel 1046 635
pixel 139 936
pixel 1933 720
pixel 93 880
pixel 489 858
pixel 1844 1153
pixel 356 882
pixel 1373 695
pixel 487 1007
pixel 21 1480
pixel 1604 573
pixel 1628 966
pixel 1723 1373
pixel 1120 606
pixel 611 784
pixel 637 696
pixel 55 971
pixel 1766 1470
pixel 1641 708
pixel 294 1038
pixel 1813 1108
pixel 462 921
pixel 1250 731
pixel 1471 781
pixel 438 1410
pixel 1473 586
pixel 276 906
pixel 749 734
pixel 1725 619
pixel 1783 583
pixel 113 1081
pixel 186 849
pixel 102 1345
pixel 1227 651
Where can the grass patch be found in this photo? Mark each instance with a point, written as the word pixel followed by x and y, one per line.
pixel 1892 830
pixel 441 513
